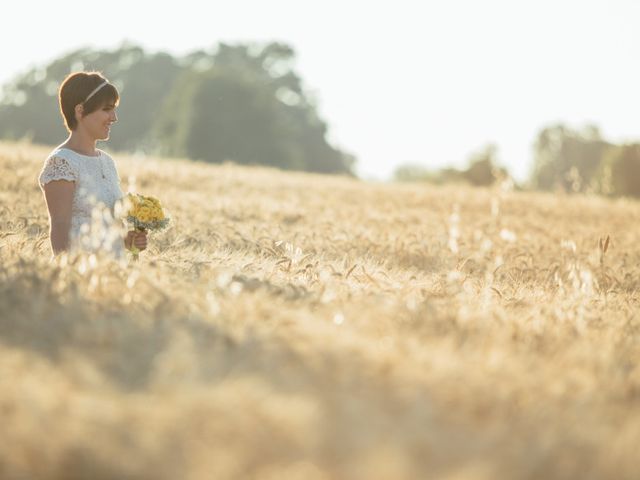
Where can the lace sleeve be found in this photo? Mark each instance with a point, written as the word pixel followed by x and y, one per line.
pixel 57 168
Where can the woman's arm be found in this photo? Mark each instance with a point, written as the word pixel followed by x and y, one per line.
pixel 59 197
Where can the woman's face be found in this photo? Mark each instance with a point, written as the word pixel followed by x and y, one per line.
pixel 98 123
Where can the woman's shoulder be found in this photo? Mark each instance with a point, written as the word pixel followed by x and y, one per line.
pixel 62 153
pixel 60 164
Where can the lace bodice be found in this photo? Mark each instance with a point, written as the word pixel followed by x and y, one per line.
pixel 97 191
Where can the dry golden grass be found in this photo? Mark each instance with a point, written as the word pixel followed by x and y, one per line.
pixel 293 326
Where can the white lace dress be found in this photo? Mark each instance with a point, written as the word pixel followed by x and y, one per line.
pixel 95 200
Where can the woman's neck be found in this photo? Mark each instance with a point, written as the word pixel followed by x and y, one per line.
pixel 80 143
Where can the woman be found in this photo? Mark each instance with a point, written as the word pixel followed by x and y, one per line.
pixel 80 182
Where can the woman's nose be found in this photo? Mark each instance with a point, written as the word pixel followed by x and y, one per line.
pixel 114 117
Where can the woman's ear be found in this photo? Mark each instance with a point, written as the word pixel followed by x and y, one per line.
pixel 79 111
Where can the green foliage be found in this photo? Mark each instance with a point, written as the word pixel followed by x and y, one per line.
pixel 242 103
pixel 483 169
pixel 245 127
pixel 619 173
pixel 249 107
pixel 567 159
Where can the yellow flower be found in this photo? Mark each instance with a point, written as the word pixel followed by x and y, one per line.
pixel 146 210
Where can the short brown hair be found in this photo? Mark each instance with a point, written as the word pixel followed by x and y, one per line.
pixel 74 90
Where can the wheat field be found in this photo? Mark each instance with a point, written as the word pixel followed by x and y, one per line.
pixel 298 326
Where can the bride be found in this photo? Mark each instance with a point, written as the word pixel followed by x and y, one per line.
pixel 80 182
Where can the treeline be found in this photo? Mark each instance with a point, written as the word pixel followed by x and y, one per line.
pixel 243 103
pixel 582 161
pixel 566 159
pixel 483 170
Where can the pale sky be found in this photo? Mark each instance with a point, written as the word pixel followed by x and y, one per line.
pixel 423 82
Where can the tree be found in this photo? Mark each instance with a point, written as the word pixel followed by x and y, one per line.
pixel 619 174
pixel 248 106
pixel 567 158
pixel 483 169
pixel 217 116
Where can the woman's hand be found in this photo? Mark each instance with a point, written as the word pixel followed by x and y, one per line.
pixel 137 239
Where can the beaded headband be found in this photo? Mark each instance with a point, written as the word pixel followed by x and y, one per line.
pixel 95 90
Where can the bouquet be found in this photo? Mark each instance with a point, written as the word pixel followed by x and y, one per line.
pixel 145 213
